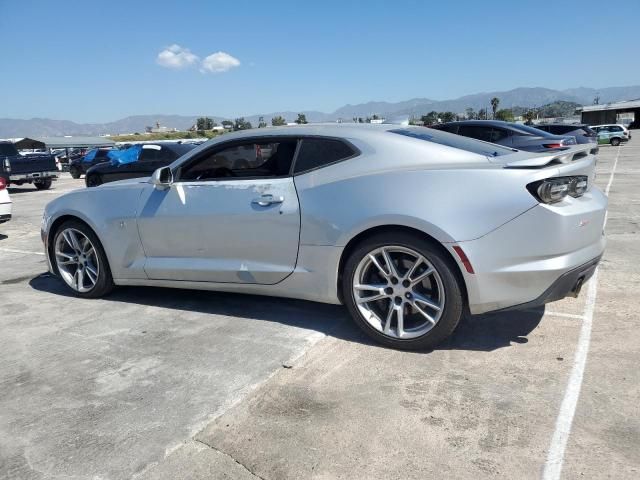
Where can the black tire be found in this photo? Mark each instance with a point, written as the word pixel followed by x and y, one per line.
pixel 44 184
pixel 75 172
pixel 104 283
pixel 615 142
pixel 93 180
pixel 455 299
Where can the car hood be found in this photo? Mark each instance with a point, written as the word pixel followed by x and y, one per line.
pixel 128 181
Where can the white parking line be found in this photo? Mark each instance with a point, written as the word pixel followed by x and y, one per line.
pixel 565 315
pixel 15 250
pixel 555 457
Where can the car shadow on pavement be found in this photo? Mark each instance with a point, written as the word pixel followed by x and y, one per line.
pixel 479 333
pixel 492 331
pixel 27 188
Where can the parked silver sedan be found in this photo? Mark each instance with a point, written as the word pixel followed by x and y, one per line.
pixel 409 227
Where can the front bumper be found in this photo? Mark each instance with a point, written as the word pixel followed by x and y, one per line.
pixel 523 261
pixel 5 212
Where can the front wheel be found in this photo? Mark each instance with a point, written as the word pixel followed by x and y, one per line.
pixel 615 142
pixel 402 291
pixel 43 184
pixel 75 172
pixel 80 260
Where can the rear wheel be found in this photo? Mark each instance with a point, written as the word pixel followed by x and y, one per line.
pixel 402 291
pixel 80 260
pixel 93 180
pixel 615 142
pixel 44 184
pixel 75 172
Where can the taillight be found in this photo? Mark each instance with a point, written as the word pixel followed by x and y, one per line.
pixel 553 190
pixel 552 145
pixel 7 165
pixel 3 183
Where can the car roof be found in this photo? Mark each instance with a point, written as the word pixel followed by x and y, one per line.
pixel 576 125
pixel 347 131
pixel 492 123
pixel 326 129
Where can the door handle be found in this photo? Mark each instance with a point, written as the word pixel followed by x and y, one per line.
pixel 266 200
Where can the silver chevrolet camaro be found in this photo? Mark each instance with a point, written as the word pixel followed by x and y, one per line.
pixel 411 228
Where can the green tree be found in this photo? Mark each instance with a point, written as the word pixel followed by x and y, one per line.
pixel 205 123
pixel 529 115
pixel 447 116
pixel 430 118
pixel 471 114
pixel 228 124
pixel 495 101
pixel 302 119
pixel 241 124
pixel 375 117
pixel 261 122
pixel 505 114
pixel 278 121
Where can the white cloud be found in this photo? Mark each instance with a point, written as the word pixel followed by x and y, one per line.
pixel 219 62
pixel 176 57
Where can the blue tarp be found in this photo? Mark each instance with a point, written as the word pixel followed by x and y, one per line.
pixel 90 156
pixel 122 157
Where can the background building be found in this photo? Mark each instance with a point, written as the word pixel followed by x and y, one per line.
pixel 619 112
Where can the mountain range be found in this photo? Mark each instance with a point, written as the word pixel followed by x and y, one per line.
pixel 519 97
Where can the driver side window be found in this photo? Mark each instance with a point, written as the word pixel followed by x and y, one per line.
pixel 250 159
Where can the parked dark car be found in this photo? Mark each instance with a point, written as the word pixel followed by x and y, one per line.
pixel 508 134
pixel 150 159
pixel 39 169
pixel 71 155
pixel 78 166
pixel 581 132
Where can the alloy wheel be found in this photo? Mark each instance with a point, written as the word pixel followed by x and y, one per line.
pixel 398 292
pixel 77 260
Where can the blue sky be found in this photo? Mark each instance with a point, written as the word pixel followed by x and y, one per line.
pixel 92 61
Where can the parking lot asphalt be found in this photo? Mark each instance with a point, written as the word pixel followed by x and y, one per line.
pixel 164 384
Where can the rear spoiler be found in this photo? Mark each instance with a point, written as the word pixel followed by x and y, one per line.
pixel 571 154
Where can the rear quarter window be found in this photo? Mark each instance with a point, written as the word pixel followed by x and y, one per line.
pixel 319 152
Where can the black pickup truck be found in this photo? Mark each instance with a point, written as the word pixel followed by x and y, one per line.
pixel 39 169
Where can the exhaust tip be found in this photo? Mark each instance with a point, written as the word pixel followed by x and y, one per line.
pixel 575 291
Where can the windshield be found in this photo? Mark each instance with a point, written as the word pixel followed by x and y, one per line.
pixel 454 141
pixel 8 150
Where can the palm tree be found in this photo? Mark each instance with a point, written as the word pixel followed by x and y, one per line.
pixel 495 101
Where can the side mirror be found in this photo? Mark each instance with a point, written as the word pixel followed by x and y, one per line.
pixel 162 178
